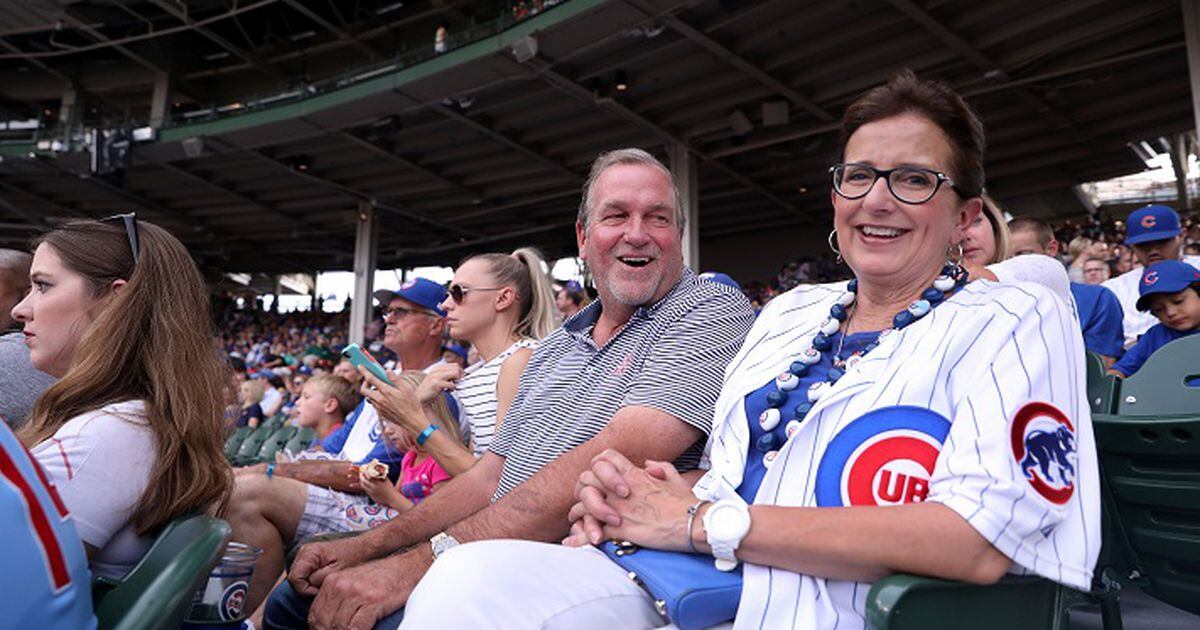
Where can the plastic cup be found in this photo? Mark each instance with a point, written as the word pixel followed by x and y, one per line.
pixel 222 599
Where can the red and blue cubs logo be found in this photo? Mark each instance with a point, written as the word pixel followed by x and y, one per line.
pixel 232 601
pixel 885 457
pixel 1150 278
pixel 1043 444
pixel 1149 221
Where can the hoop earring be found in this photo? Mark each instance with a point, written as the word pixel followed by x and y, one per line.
pixel 955 261
pixel 832 246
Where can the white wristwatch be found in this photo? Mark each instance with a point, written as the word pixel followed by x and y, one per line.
pixel 725 525
pixel 441 543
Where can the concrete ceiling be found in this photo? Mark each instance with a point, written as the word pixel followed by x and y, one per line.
pixel 473 150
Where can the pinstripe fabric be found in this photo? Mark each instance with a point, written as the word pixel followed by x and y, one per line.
pixel 975 360
pixel 669 356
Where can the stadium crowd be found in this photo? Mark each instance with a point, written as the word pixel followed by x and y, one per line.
pixel 502 422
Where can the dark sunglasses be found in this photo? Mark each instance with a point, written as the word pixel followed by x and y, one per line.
pixel 131 230
pixel 458 292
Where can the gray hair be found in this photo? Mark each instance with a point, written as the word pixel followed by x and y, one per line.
pixel 14 268
pixel 626 156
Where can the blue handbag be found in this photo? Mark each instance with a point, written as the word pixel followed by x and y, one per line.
pixel 687 589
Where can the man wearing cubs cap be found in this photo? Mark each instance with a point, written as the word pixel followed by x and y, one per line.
pixel 1154 234
pixel 276 504
pixel 1170 291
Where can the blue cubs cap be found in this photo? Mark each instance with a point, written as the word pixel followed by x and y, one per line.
pixel 1165 276
pixel 1151 223
pixel 460 350
pixel 425 293
pixel 717 276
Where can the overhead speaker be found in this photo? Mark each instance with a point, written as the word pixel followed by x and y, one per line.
pixel 193 147
pixel 525 48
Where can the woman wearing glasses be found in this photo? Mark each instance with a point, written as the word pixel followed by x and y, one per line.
pixel 131 434
pixel 894 423
pixel 502 304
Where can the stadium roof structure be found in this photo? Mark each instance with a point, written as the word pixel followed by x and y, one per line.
pixel 275 122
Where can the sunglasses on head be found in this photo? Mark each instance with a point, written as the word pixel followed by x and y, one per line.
pixel 458 292
pixel 131 230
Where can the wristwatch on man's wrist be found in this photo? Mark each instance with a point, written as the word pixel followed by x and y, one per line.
pixel 442 543
pixel 725 525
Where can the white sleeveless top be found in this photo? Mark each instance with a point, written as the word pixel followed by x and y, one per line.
pixel 476 394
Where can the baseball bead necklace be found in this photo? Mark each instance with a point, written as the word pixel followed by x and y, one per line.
pixel 952 277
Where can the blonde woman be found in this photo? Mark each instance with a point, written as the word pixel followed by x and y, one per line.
pixel 502 304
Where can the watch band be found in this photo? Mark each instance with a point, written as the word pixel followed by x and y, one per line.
pixel 441 543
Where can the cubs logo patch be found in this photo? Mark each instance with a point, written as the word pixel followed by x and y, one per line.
pixel 1150 278
pixel 1149 221
pixel 1043 445
pixel 408 284
pixel 233 600
pixel 885 457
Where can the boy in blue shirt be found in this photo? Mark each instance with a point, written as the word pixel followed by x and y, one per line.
pixel 1170 290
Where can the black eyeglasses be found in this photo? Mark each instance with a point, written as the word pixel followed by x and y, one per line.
pixel 131 230
pixel 399 312
pixel 909 184
pixel 458 292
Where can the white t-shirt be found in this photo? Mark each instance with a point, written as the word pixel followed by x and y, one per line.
pixel 1125 286
pixel 101 462
pixel 477 397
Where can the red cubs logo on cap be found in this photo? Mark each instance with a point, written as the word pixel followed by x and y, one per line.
pixel 408 284
pixel 1150 278
pixel 1149 221
pixel 1043 445
pixel 885 457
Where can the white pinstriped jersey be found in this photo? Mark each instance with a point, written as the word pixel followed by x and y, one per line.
pixel 979 406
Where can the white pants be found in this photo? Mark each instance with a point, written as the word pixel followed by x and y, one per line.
pixel 515 584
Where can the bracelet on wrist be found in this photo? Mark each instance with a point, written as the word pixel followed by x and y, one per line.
pixel 690 522
pixel 270 470
pixel 425 434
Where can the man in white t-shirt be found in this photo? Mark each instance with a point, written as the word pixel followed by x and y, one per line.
pixel 1154 234
pixel 276 504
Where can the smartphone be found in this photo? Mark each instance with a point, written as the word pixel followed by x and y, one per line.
pixel 361 356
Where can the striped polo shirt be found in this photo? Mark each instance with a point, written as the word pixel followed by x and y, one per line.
pixel 671 356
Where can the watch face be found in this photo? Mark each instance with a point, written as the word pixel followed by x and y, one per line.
pixel 727 522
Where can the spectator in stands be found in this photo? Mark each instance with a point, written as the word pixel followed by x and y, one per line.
pixel 502 304
pixel 457 353
pixel 1099 311
pixel 439 39
pixel 1170 291
pixel 325 401
pixel 1122 259
pixel 45 581
pixel 571 299
pixel 273 394
pixel 250 394
pixel 420 473
pixel 1154 234
pixel 274 505
pixel 816 535
pixel 987 238
pixel 637 370
pixel 131 433
pixel 1095 271
pixel 20 382
pixel 345 369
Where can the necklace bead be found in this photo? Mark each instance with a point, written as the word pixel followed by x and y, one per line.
pixel 822 342
pixel 769 419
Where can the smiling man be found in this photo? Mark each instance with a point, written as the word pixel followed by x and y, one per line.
pixel 639 371
pixel 1154 234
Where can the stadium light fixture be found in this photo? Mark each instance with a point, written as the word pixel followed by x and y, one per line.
pixel 622 82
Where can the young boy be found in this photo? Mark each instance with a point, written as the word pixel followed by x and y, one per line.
pixel 324 403
pixel 1170 290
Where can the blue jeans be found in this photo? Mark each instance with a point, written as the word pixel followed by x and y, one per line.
pixel 286 609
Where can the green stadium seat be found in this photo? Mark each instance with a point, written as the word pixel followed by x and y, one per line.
pixel 301 440
pixel 909 602
pixel 1150 459
pixel 1101 387
pixel 235 440
pixel 158 592
pixel 275 442
pixel 247 452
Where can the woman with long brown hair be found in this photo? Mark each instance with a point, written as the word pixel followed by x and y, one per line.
pixel 131 434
